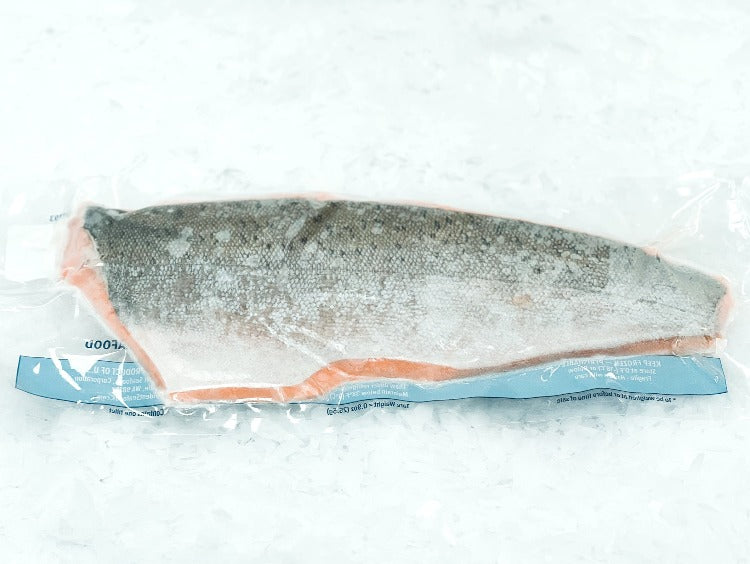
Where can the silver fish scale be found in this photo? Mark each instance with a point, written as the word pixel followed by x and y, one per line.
pixel 341 279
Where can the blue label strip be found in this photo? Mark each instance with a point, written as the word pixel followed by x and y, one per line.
pixel 125 384
pixel 84 380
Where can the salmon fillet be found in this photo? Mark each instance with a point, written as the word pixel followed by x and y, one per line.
pixel 286 299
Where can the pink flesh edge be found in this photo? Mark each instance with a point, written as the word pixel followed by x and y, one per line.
pixel 330 377
pixel 77 270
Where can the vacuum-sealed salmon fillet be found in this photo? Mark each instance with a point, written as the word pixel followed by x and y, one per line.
pixel 289 299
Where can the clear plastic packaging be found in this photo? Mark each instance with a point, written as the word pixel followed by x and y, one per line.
pixel 271 305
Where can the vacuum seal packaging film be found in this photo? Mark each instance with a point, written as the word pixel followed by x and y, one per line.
pixel 336 304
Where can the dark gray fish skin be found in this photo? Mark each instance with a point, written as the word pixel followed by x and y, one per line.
pixel 268 291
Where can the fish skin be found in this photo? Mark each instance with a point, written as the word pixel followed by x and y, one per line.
pixel 262 294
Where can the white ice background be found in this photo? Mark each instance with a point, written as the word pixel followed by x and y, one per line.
pixel 626 119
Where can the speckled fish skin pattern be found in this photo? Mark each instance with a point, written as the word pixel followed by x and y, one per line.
pixel 263 292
